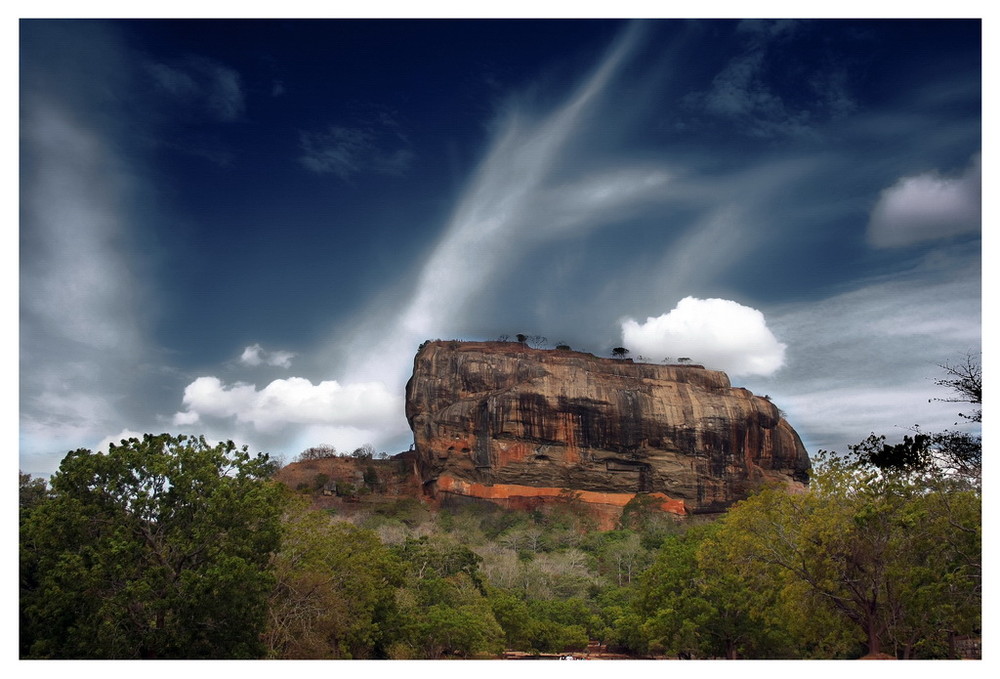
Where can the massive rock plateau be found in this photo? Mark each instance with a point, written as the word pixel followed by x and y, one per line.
pixel 519 426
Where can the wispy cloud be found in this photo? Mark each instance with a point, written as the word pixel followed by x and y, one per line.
pixel 866 360
pixel 255 355
pixel 201 86
pixel 928 206
pixel 516 198
pixel 81 304
pixel 374 146
pixel 744 92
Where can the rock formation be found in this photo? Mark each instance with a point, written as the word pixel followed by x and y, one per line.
pixel 521 426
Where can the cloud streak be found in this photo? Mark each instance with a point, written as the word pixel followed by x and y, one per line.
pixel 866 360
pixel 514 200
pixel 81 317
pixel 201 86
pixel 376 147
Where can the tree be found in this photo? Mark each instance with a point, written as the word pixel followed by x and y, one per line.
pixel 619 352
pixel 33 492
pixel 444 609
pixel 897 560
pixel 158 549
pixel 965 378
pixel 364 452
pixel 693 605
pixel 947 454
pixel 334 592
pixel 320 452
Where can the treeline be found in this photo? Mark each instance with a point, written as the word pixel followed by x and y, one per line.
pixel 168 547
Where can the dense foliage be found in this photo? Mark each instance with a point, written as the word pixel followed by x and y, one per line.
pixel 168 547
pixel 157 549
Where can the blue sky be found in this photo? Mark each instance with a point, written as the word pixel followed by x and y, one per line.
pixel 244 229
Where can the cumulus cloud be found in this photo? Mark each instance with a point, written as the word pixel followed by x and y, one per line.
pixel 255 355
pixel 719 333
pixel 928 206
pixel 292 401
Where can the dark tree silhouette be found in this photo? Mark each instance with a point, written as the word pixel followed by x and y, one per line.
pixel 966 380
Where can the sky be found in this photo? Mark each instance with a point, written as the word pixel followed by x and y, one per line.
pixel 245 229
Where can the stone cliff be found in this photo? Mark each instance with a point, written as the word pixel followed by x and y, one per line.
pixel 519 426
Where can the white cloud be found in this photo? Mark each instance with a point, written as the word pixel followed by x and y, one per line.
pixel 719 333
pixel 255 355
pixel 928 206
pixel 292 401
pixel 185 419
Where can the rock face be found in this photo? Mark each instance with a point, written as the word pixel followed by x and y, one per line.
pixel 521 426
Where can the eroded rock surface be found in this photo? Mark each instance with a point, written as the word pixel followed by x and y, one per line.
pixel 515 425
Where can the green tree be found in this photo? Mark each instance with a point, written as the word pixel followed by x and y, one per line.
pixel 334 592
pixel 371 479
pixel 618 555
pixel 695 605
pixel 445 615
pixel 158 549
pixel 513 616
pixel 898 561
pixel 33 492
